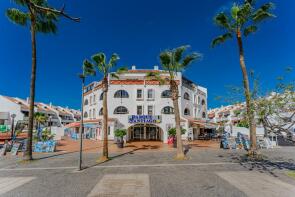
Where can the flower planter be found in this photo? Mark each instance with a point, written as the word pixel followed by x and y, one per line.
pixel 120 144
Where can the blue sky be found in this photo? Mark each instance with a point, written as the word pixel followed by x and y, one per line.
pixel 138 31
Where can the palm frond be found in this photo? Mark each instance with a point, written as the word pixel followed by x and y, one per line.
pixel 88 69
pixel 222 20
pixel 263 13
pixel 122 70
pixel 113 60
pixel 46 26
pixel 17 16
pixel 165 58
pixel 99 58
pixel 189 59
pixel 221 39
pixel 250 29
pixel 244 13
pixel 178 53
pixel 155 76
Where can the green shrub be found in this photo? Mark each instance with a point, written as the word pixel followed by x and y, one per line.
pixel 172 131
pixel 120 132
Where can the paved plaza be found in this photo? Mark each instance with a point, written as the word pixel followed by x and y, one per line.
pixel 149 172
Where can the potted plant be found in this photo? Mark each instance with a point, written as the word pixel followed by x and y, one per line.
pixel 120 133
pixel 172 134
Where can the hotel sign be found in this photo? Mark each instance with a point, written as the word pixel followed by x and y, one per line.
pixel 144 119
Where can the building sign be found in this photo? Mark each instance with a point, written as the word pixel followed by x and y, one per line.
pixel 144 119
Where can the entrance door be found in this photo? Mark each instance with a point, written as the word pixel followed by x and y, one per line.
pixel 145 132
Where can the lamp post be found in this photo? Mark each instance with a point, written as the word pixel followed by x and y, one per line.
pixel 12 125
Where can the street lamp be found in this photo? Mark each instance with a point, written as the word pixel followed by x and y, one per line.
pixel 12 125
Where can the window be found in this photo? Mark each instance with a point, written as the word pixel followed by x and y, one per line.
pixel 90 100
pixel 150 94
pixel 90 114
pixel 139 110
pixel 94 99
pixel 85 115
pixel 166 94
pixel 186 96
pixel 121 94
pixel 150 110
pixel 186 112
pixel 203 102
pixel 203 115
pixel 168 110
pixel 86 102
pixel 109 130
pixel 94 115
pixel 121 110
pixel 139 94
pixel 101 112
pixel 101 96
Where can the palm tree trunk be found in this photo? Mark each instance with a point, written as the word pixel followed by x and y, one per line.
pixel 28 153
pixel 250 113
pixel 105 152
pixel 174 90
pixel 81 126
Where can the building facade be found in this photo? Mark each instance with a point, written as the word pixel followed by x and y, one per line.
pixel 56 116
pixel 143 106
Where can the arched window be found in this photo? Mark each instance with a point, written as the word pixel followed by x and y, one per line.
pixel 121 110
pixel 90 100
pixel 90 113
pixel 101 112
pixel 187 112
pixel 86 102
pixel 186 96
pixel 203 115
pixel 168 110
pixel 85 115
pixel 166 94
pixel 101 96
pixel 121 94
pixel 203 102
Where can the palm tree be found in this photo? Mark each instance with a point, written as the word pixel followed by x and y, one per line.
pixel 104 67
pixel 40 118
pixel 87 70
pixel 174 61
pixel 242 20
pixel 42 19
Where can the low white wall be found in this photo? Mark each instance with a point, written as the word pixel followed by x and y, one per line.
pixel 58 131
pixel 245 131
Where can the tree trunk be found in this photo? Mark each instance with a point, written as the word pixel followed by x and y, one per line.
pixel 28 153
pixel 105 152
pixel 81 126
pixel 250 113
pixel 174 95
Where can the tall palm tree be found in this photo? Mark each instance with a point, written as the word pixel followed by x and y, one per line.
pixel 42 18
pixel 174 61
pixel 87 70
pixel 243 19
pixel 105 67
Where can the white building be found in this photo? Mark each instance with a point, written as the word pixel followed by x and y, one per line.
pixel 57 116
pixel 144 107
